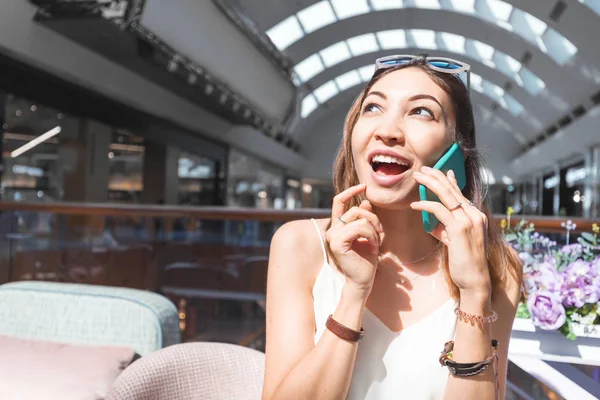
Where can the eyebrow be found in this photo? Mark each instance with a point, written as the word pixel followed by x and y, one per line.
pixel 425 96
pixel 412 98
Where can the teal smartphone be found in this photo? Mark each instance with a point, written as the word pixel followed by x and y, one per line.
pixel 453 159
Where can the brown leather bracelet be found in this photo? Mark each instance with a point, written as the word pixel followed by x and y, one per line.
pixel 343 332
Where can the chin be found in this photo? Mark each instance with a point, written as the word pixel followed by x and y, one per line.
pixel 398 198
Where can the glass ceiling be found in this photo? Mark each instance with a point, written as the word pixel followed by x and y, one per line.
pixel 422 39
pixel 593 4
pixel 362 75
pixel 504 15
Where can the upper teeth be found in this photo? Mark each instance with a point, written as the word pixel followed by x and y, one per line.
pixel 387 159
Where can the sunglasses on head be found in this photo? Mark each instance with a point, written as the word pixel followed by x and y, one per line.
pixel 441 64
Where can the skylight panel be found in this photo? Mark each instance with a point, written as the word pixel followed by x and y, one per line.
pixel 506 64
pixel 349 8
pixel 335 54
pixel 504 59
pixel 499 9
pixel 393 39
pixel 531 82
pixel 527 26
pixel 309 104
pixel 308 68
pixel 424 39
pixel 463 6
pixel 495 90
pixel 454 43
pixel 316 16
pixel 484 50
pixel 562 49
pixel 593 4
pixel 326 91
pixel 476 80
pixel 513 106
pixel 387 4
pixel 537 25
pixel 433 4
pixel 296 79
pixel 348 80
pixel 285 33
pixel 363 44
pixel 366 72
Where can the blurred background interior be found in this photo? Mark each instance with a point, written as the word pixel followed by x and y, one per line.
pixel 157 145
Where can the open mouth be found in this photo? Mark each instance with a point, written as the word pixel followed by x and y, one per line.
pixel 388 165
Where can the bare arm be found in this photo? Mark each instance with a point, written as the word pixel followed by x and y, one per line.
pixel 295 367
pixel 473 343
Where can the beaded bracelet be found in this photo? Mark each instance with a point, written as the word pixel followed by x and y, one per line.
pixel 470 369
pixel 482 319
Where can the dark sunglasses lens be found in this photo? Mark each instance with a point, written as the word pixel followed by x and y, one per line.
pixel 444 64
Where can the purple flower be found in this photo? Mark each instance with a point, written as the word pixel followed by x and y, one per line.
pixel 573 249
pixel 580 285
pixel 573 296
pixel 546 310
pixel 596 265
pixel 545 278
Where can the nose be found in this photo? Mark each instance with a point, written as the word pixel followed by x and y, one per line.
pixel 390 130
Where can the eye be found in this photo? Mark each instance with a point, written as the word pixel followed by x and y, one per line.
pixel 371 107
pixel 423 111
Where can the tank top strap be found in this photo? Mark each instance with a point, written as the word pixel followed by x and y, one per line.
pixel 321 239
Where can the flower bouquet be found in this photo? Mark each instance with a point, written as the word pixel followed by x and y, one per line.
pixel 561 283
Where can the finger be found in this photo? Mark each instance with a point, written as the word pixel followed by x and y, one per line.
pixel 473 212
pixel 358 229
pixel 338 207
pixel 439 232
pixel 442 213
pixel 355 213
pixel 448 180
pixel 434 184
pixel 366 205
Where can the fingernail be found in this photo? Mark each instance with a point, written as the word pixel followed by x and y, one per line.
pixel 380 227
pixel 451 173
pixel 417 173
pixel 425 168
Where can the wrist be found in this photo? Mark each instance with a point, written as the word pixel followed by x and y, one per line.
pixel 355 294
pixel 475 301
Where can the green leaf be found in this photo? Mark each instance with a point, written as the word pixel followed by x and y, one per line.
pixel 589 237
pixel 571 334
pixel 523 311
pixel 510 237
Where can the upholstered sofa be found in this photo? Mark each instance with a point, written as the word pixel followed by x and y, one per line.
pixel 69 341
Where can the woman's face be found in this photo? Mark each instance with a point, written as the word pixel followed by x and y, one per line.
pixel 405 122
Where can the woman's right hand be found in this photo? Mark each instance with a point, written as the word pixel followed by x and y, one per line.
pixel 354 238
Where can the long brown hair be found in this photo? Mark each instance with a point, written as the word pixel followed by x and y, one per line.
pixel 502 258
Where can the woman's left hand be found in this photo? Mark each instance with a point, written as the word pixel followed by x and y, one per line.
pixel 462 228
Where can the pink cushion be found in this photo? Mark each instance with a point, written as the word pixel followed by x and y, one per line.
pixel 31 369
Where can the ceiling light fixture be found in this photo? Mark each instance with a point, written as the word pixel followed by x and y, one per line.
pixel 40 139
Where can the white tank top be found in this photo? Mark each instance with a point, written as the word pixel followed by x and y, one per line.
pixel 389 365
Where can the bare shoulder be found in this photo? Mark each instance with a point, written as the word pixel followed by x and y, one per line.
pixel 296 249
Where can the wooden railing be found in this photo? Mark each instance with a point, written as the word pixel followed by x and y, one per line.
pixel 542 224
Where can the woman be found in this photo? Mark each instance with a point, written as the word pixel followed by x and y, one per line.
pixel 373 267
